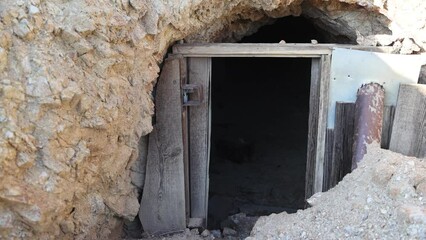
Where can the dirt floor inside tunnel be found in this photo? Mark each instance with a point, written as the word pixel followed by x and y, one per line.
pixel 260 111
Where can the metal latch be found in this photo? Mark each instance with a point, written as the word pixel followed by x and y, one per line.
pixel 192 89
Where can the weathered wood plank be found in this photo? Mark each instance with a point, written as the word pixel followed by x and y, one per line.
pixel 312 126
pixel 328 164
pixel 163 199
pixel 343 141
pixel 322 121
pixel 388 116
pixel 199 138
pixel 185 136
pixel 265 49
pixel 409 127
pixel 318 103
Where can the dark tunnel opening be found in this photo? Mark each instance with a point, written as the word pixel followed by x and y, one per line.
pixel 260 111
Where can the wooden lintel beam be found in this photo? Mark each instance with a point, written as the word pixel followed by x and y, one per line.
pixel 295 50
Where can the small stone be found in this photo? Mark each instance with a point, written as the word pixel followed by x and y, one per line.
pixel 13 93
pixel 195 222
pixel 408 46
pixel 22 29
pixel 20 2
pixel 33 10
pixel 282 42
pixel 3 59
pixel 70 36
pixel 421 188
pixel 216 233
pixel 138 5
pixel 6 219
pixel 314 41
pixel 85 27
pixel 229 232
pixel 25 160
pixel 30 213
pixel 413 214
pixel 205 233
pixel 67 226
pixel 195 231
pixel 82 47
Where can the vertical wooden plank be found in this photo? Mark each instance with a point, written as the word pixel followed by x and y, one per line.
pixel 388 116
pixel 185 137
pixel 328 166
pixel 343 141
pixel 322 121
pixel 199 138
pixel 422 77
pixel 409 127
pixel 163 199
pixel 318 109
pixel 313 126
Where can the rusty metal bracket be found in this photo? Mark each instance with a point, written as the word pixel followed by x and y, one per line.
pixel 192 89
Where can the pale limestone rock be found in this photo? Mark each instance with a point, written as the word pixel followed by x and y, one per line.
pixel 82 46
pixel 32 10
pixel 139 5
pixel 3 59
pixel 70 36
pixel 67 226
pixel 23 29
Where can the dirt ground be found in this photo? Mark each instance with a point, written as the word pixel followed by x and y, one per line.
pixel 385 198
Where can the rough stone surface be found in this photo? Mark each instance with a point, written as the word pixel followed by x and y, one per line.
pixel 76 82
pixel 377 201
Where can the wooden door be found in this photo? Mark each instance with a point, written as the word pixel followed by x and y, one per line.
pixel 199 73
pixel 163 200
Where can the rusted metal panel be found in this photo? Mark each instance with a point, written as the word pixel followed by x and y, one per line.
pixel 368 119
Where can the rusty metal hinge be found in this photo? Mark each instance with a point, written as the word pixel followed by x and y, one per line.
pixel 192 89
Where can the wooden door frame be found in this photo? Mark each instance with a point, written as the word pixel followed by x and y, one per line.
pixel 321 55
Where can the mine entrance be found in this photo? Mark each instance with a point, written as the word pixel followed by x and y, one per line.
pixel 259 127
pixel 236 126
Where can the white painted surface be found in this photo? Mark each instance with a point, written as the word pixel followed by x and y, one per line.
pixel 352 68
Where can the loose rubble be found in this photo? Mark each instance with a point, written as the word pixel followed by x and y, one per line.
pixel 382 199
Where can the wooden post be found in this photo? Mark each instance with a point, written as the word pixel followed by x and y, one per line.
pixel 343 141
pixel 388 116
pixel 409 128
pixel 328 160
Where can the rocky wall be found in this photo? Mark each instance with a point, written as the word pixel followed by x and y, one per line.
pixel 76 82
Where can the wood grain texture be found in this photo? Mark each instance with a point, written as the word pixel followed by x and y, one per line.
pixel 265 49
pixel 185 137
pixel 318 109
pixel 312 126
pixel 343 141
pixel 328 166
pixel 409 127
pixel 163 199
pixel 322 121
pixel 388 116
pixel 199 138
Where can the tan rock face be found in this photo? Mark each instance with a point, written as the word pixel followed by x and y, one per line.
pixel 76 79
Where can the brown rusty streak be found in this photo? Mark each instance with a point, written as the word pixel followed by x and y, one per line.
pixel 368 119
